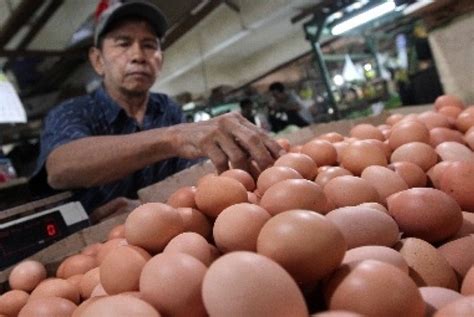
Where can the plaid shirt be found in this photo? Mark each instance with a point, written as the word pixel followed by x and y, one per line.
pixel 97 114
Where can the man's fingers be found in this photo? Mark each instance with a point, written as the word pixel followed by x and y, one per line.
pixel 273 147
pixel 217 157
pixel 235 154
pixel 254 145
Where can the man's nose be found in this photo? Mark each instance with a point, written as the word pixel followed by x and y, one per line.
pixel 137 53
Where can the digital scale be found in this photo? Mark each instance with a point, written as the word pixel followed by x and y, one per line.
pixel 26 229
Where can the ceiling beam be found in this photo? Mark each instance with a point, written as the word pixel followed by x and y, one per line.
pixel 38 24
pixel 19 17
pixel 188 22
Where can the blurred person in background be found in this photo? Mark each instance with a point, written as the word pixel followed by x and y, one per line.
pixel 289 103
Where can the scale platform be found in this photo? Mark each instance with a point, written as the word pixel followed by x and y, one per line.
pixel 26 229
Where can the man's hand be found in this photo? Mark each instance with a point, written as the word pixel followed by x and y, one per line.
pixel 229 138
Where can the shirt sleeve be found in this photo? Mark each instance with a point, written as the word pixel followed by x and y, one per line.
pixel 64 124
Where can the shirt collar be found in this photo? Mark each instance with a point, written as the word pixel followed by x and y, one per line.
pixel 112 109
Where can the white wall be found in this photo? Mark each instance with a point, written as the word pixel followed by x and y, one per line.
pixel 228 48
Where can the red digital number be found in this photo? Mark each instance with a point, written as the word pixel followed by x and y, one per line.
pixel 51 229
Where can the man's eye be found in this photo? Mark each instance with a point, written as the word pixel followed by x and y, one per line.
pixel 151 46
pixel 122 43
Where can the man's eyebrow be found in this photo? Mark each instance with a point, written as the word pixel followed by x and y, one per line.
pixel 119 37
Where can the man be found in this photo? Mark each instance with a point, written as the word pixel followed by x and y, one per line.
pixel 121 137
pixel 246 109
pixel 288 103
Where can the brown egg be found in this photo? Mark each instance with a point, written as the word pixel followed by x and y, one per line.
pixel 56 287
pixel 75 279
pixel 331 172
pixel 195 221
pixel 394 118
pixel 382 145
pixel 340 148
pixel 214 194
pixel 460 307
pixel 469 138
pixel 117 232
pixel 411 173
pixel 294 194
pixel 295 149
pixel 192 244
pixel 364 226
pixel 361 154
pixel 109 246
pixel 12 302
pixel 374 288
pixel 284 143
pixel 151 226
pixel 448 100
pixel 427 266
pixel 437 297
pixel 48 307
pixel 273 175
pixel 78 264
pixel 460 255
pixel 302 163
pixel 215 253
pixel 350 191
pixel 242 176
pixel 124 262
pixel 366 131
pixel 385 181
pixel 304 243
pixel 183 197
pixel 467 227
pixel 425 213
pixel 454 151
pixel 452 112
pixel 408 132
pixel 92 249
pixel 467 287
pixel 465 119
pixel 172 283
pixel 379 253
pixel 433 120
pixel 238 226
pixel 88 282
pixel 375 206
pixel 248 284
pixel 337 313
pixel 26 275
pixel 322 152
pixel 98 291
pixel 80 309
pixel 253 198
pixel 418 153
pixel 440 135
pixel 458 181
pixel 119 305
pixel 434 173
pixel 332 137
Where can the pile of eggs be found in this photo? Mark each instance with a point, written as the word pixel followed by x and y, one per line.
pixel 380 223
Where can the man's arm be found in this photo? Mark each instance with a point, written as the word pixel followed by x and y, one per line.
pixel 98 160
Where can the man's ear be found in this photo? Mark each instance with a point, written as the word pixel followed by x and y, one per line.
pixel 95 58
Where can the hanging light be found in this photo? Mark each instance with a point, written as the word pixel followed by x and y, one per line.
pixel 363 17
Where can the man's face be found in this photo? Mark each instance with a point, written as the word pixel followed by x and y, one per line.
pixel 130 58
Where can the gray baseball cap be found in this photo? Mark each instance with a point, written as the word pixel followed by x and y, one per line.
pixel 142 9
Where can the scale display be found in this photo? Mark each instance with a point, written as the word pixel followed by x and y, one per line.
pixel 21 237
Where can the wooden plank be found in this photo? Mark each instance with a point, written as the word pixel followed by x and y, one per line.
pixel 22 13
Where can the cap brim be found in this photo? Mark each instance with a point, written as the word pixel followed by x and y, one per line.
pixel 147 11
